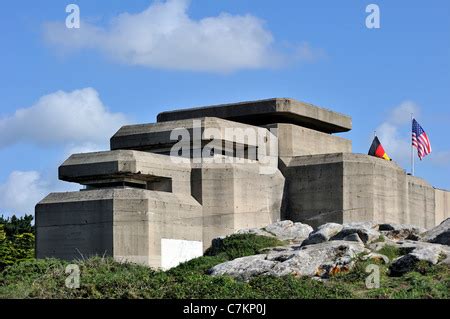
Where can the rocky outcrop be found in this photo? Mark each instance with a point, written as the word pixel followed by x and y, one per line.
pixel 414 252
pixel 400 231
pixel 282 230
pixel 319 260
pixel 288 230
pixel 334 248
pixel 439 234
pixel 323 233
pixel 366 231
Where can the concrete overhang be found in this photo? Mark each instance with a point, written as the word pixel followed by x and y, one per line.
pixel 160 137
pixel 262 112
pixel 125 165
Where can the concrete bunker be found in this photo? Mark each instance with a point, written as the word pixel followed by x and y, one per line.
pixel 143 205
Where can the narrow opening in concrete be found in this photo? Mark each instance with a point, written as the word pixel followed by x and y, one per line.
pixel 162 184
pixel 118 184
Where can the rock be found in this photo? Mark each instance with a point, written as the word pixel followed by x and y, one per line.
pixel 326 259
pixel 415 252
pixel 353 237
pixel 321 260
pixel 255 231
pixel 390 227
pixel 288 230
pixel 408 262
pixel 409 246
pixel 244 268
pixel 439 234
pixel 323 233
pixel 376 246
pixel 365 230
pixel 377 257
pixel 429 254
pixel 279 253
pixel 400 231
pixel 402 265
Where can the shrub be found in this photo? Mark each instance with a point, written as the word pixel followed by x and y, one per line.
pixel 17 225
pixel 16 240
pixel 240 245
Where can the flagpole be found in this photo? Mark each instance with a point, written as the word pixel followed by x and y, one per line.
pixel 412 149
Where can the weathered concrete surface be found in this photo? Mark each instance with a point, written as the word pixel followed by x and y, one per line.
pixel 150 171
pixel 313 191
pixel 235 196
pixel 353 187
pixel 277 110
pixel 442 203
pixel 138 198
pixel 230 138
pixel 127 224
pixel 295 140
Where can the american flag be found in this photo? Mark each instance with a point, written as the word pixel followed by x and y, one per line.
pixel 420 140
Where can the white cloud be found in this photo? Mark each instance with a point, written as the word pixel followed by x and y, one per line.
pixel 62 118
pixel 395 136
pixel 21 191
pixel 164 36
pixel 402 114
pixel 395 132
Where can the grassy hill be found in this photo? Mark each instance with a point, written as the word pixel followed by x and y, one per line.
pixel 105 278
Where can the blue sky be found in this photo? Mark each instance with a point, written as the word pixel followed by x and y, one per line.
pixel 74 88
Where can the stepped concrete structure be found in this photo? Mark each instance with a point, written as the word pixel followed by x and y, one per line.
pixel 166 189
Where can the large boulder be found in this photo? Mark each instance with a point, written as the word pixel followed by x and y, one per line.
pixel 254 231
pixel 288 230
pixel 439 234
pixel 413 252
pixel 353 237
pixel 408 246
pixel 365 230
pixel 244 268
pixel 408 262
pixel 322 234
pixel 319 260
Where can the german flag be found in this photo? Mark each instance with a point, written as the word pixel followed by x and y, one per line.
pixel 377 150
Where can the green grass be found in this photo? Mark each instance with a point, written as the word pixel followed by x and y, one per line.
pixel 240 245
pixel 105 278
pixel 391 252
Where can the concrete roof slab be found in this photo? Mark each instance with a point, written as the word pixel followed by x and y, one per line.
pixel 262 112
